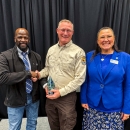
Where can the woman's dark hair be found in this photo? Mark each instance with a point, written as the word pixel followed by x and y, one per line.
pixel 98 49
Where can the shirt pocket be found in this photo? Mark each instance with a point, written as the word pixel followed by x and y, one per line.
pixel 52 60
pixel 67 67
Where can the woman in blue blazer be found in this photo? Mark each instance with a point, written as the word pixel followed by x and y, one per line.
pixel 105 94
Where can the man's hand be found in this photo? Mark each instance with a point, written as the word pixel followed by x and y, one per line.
pixel 55 95
pixel 34 79
pixel 34 74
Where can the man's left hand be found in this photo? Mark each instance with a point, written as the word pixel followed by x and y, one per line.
pixel 55 95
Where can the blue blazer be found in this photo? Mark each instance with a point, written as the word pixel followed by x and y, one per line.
pixel 114 88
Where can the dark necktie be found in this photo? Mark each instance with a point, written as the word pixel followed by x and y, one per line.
pixel 28 81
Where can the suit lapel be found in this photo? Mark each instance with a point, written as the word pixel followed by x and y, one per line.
pixel 115 57
pixel 97 60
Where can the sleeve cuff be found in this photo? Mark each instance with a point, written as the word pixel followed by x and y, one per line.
pixel 44 85
pixel 28 74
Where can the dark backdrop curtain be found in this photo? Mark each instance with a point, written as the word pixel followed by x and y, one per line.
pixel 41 17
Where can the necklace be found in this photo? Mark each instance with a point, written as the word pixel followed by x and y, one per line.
pixel 103 57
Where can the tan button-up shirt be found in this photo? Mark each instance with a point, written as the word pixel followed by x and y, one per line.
pixel 66 65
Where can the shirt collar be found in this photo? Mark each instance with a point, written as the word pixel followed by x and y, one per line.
pixel 66 45
pixel 19 51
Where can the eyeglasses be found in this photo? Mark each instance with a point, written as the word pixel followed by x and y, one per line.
pixel 67 30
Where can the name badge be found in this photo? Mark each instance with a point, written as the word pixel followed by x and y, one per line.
pixel 114 61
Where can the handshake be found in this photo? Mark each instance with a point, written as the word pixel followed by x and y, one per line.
pixel 35 74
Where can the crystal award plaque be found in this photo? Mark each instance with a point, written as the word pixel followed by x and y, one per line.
pixel 50 85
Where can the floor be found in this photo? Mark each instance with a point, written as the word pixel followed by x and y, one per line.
pixel 42 124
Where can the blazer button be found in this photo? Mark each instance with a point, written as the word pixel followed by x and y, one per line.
pixel 101 85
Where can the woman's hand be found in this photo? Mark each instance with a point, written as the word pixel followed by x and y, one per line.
pixel 124 116
pixel 85 106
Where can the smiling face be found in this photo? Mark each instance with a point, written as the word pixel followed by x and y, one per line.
pixel 22 39
pixel 65 32
pixel 106 41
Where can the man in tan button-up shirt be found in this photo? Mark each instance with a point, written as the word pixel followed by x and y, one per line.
pixel 66 65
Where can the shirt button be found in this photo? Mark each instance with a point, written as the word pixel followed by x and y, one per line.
pixel 101 85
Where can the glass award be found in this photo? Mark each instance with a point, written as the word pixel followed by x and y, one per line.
pixel 50 85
